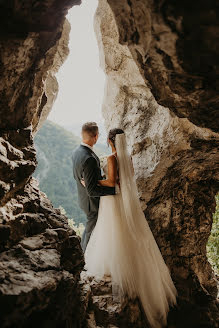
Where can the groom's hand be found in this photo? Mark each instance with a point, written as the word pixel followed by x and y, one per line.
pixel 91 176
pixel 82 182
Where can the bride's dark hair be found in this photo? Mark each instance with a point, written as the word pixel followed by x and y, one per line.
pixel 112 134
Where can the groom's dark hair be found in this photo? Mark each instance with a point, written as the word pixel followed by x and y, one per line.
pixel 90 128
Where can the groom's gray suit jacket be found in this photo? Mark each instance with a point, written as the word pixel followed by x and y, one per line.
pixel 86 165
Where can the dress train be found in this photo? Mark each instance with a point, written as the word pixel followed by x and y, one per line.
pixel 133 261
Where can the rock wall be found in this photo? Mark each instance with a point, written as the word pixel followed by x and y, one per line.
pixel 161 59
pixel 40 256
pixel 161 90
pixel 174 46
pixel 40 263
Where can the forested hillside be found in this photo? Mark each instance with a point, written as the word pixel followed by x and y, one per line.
pixel 54 147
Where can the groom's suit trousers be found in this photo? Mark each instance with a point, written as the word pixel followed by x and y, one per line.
pixel 90 224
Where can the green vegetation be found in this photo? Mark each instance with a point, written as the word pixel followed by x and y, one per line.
pixel 54 147
pixel 213 241
pixel 79 229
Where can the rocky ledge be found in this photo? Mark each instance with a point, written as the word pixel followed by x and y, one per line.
pixel 40 263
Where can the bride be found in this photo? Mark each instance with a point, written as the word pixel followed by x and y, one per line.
pixel 122 244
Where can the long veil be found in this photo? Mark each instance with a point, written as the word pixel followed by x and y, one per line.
pixel 148 277
pixel 129 193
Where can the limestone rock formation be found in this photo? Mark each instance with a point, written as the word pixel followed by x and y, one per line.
pixel 40 255
pixel 104 310
pixel 161 60
pixel 161 90
pixel 33 47
pixel 175 48
pixel 40 263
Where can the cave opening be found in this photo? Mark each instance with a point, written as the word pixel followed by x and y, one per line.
pixel 160 96
pixel 79 99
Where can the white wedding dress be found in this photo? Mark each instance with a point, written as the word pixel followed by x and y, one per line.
pixel 122 246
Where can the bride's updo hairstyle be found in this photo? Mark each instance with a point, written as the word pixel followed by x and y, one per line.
pixel 112 134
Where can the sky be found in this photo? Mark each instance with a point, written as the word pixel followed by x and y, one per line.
pixel 81 80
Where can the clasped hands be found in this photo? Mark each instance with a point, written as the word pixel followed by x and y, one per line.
pixel 83 182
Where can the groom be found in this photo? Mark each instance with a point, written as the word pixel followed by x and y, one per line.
pixel 86 166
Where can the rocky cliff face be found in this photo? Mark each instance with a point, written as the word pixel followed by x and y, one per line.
pixel 40 262
pixel 40 256
pixel 161 59
pixel 158 58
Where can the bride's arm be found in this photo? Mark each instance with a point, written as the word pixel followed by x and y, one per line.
pixel 112 173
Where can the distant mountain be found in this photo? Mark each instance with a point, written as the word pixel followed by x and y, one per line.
pixel 54 147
